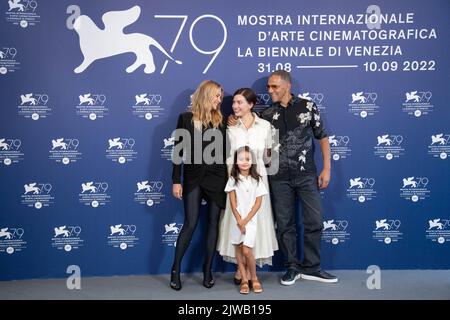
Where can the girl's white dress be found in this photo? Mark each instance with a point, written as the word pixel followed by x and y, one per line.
pixel 258 137
pixel 247 190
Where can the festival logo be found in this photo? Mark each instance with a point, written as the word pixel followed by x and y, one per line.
pixel 363 104
pixel 121 150
pixel 415 188
pixel 8 60
pixel 418 103
pixel 439 146
pixel 92 106
pixel 438 230
pixel 37 195
pixel 12 240
pixel 10 151
pixel 387 230
pixel 94 194
pixel 170 234
pixel 340 147
pixel 65 150
pixel 148 106
pixel 361 189
pixel 34 106
pixel 149 193
pixel 122 236
pixel 335 231
pixel 22 13
pixel 67 238
pixel 389 146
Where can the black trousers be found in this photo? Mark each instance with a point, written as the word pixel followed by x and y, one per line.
pixel 283 196
pixel 192 202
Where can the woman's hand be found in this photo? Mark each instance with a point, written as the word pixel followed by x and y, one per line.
pixel 177 191
pixel 232 120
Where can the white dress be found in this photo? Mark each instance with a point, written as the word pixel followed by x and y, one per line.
pixel 247 190
pixel 258 137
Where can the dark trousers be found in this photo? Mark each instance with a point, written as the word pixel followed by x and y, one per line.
pixel 192 202
pixel 283 197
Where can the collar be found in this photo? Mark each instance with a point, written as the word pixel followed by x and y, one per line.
pixel 244 177
pixel 257 120
pixel 291 102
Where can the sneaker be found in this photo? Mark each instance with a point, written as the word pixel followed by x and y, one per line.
pixel 321 276
pixel 290 277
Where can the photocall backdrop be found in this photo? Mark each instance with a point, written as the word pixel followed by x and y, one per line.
pixel 91 91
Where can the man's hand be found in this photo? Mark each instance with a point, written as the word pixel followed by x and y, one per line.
pixel 324 179
pixel 177 191
pixel 232 120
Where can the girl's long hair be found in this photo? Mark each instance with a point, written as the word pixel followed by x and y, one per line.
pixel 202 102
pixel 252 171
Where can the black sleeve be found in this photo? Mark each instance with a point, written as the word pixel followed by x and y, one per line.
pixel 176 168
pixel 317 123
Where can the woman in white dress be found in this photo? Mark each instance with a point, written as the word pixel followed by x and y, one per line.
pixel 255 133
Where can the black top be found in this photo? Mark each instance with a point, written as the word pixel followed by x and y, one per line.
pixel 297 124
pixel 210 174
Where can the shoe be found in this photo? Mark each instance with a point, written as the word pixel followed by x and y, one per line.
pixel 290 277
pixel 237 281
pixel 321 276
pixel 175 282
pixel 208 280
pixel 256 286
pixel 244 289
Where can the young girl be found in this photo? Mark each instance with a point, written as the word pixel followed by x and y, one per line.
pixel 246 190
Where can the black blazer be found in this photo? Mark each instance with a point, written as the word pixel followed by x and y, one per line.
pixel 211 177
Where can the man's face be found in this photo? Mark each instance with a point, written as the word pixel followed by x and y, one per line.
pixel 278 89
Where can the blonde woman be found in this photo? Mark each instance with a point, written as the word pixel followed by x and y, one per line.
pixel 202 177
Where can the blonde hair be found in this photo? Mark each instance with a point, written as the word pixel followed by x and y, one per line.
pixel 201 105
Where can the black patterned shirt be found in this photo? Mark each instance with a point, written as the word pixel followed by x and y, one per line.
pixel 297 124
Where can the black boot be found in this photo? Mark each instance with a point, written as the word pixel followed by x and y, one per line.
pixel 208 280
pixel 175 282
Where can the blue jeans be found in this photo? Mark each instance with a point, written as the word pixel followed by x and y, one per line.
pixel 284 194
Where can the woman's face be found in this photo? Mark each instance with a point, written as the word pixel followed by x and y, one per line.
pixel 244 161
pixel 216 99
pixel 241 107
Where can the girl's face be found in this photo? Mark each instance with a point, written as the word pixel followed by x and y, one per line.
pixel 244 161
pixel 216 99
pixel 240 106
